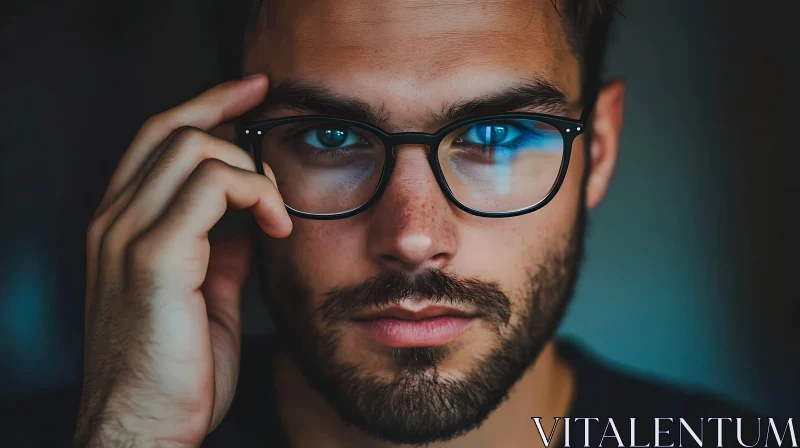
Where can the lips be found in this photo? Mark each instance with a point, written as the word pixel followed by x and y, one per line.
pixel 406 313
pixel 403 326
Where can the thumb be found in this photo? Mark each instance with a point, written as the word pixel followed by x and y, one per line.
pixel 228 267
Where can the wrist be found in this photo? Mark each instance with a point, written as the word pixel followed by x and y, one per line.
pixel 112 437
pixel 125 431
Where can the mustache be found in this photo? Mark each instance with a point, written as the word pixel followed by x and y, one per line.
pixel 392 287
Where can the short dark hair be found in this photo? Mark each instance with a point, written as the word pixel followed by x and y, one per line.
pixel 588 27
pixel 586 22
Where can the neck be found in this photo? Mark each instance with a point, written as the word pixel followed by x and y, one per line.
pixel 545 390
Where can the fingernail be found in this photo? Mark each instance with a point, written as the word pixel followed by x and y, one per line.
pixel 254 75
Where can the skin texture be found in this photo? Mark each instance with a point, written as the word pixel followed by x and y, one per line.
pixel 162 309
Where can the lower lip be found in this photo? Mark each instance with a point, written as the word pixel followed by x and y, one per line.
pixel 440 330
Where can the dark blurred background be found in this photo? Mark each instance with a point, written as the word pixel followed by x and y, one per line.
pixel 691 269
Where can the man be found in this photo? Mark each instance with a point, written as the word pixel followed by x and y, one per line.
pixel 420 174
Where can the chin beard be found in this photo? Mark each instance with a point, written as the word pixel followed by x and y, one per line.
pixel 418 405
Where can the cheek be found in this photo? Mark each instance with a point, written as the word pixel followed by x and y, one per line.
pixel 509 250
pixel 327 253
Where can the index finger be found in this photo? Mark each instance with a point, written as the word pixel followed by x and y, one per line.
pixel 221 103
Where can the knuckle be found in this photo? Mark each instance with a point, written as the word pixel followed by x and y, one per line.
pixel 189 143
pixel 99 219
pixel 97 228
pixel 142 253
pixel 112 241
pixel 212 170
pixel 101 224
pixel 155 123
pixel 188 135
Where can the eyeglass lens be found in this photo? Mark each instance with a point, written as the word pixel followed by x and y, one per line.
pixel 492 166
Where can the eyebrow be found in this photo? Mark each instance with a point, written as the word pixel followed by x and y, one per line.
pixel 539 95
pixel 302 97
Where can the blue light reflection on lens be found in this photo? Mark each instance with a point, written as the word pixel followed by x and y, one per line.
pixel 505 141
pixel 513 136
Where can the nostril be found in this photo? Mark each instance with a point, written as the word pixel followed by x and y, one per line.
pixel 440 258
pixel 386 258
pixel 438 261
pixel 391 262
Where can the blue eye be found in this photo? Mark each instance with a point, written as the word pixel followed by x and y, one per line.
pixel 330 137
pixel 510 137
pixel 490 134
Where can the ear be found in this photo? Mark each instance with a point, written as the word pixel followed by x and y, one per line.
pixel 606 127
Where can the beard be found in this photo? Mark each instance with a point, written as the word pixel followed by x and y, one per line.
pixel 418 405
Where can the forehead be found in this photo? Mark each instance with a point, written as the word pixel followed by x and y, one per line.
pixel 399 52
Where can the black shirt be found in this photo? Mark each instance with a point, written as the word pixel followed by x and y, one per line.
pixel 602 392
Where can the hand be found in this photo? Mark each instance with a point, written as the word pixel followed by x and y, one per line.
pixel 163 336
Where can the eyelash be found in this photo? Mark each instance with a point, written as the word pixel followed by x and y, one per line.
pixel 296 136
pixel 526 134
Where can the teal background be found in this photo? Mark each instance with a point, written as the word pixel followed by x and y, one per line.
pixel 684 262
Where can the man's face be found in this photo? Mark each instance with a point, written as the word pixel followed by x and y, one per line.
pixel 498 286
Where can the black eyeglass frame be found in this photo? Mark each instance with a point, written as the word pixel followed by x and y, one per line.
pixel 568 127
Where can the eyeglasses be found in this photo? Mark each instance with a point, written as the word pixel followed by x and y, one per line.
pixel 492 166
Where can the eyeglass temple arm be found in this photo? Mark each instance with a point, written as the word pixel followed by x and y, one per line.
pixel 587 110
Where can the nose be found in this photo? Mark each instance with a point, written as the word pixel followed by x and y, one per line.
pixel 413 225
